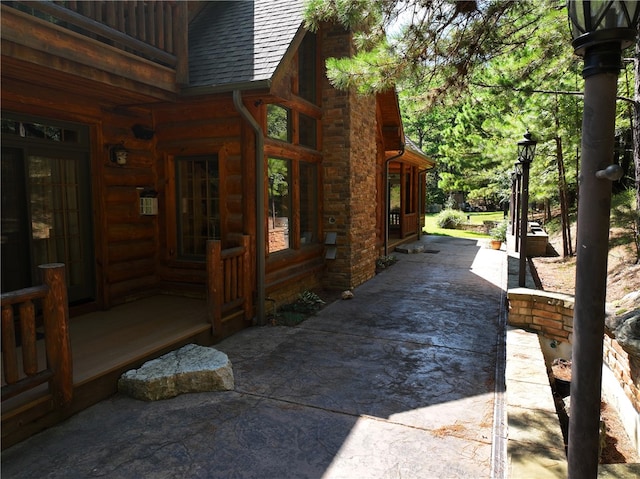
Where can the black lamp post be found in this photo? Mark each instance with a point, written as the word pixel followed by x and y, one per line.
pixel 516 210
pixel 526 152
pixel 512 203
pixel 601 29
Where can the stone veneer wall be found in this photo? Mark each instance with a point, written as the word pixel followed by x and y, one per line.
pixel 546 313
pixel 551 315
pixel 349 173
pixel 625 368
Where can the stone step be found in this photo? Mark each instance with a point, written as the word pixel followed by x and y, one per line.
pixel 189 369
pixel 410 248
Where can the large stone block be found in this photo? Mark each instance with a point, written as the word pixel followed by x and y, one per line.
pixel 191 368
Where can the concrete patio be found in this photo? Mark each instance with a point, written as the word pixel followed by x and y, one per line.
pixel 405 380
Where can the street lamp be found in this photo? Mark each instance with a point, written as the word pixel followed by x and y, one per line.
pixel 601 29
pixel 516 208
pixel 512 203
pixel 526 152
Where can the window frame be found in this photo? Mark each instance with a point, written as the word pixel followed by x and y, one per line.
pixel 172 199
pixel 295 232
pixel 208 200
pixel 297 153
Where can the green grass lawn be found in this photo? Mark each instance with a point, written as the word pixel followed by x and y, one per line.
pixel 432 228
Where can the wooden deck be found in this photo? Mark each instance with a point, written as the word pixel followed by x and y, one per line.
pixel 104 344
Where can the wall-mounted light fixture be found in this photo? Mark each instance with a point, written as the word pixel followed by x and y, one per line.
pixel 142 132
pixel 148 201
pixel 118 154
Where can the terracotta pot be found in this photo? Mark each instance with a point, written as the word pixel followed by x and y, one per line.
pixel 495 244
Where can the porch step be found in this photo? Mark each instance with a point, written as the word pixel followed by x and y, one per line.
pixel 191 368
pixel 411 248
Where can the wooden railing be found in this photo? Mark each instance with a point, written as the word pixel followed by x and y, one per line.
pixel 21 376
pixel 155 30
pixel 409 224
pixel 228 283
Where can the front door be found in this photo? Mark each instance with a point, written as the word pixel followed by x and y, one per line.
pixel 46 207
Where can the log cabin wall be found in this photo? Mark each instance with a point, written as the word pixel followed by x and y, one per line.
pixel 130 239
pixel 135 254
pixel 211 126
pixel 199 128
pixel 125 243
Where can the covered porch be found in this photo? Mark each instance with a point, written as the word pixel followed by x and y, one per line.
pixel 104 344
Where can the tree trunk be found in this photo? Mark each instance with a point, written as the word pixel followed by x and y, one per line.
pixel 635 128
pixel 564 203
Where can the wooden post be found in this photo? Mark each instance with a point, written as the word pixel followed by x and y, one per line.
pixel 28 335
pixel 181 42
pixel 246 277
pixel 55 309
pixel 9 358
pixel 214 283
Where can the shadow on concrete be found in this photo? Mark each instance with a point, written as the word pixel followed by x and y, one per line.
pixel 398 382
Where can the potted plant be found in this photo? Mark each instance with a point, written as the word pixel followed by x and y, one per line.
pixel 498 235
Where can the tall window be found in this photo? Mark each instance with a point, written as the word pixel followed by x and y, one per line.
pixel 280 221
pixel 198 203
pixel 292 146
pixel 293 204
pixel 307 68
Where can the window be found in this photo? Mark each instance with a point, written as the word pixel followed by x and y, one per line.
pixel 29 129
pixel 307 68
pixel 308 131
pixel 279 172
pixel 292 223
pixel 288 123
pixel 279 123
pixel 410 201
pixel 291 144
pixel 197 184
pixel 46 203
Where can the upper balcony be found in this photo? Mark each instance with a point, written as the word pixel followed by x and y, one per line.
pixel 135 45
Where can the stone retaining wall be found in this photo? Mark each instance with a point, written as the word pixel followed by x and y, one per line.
pixel 625 368
pixel 548 314
pixel 551 315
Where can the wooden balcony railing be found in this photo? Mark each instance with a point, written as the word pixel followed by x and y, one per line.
pixel 155 30
pixel 228 283
pixel 23 374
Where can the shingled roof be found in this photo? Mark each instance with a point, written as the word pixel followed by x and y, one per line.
pixel 239 44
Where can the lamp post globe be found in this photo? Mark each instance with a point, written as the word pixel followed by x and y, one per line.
pixel 526 149
pixel 597 22
pixel 601 30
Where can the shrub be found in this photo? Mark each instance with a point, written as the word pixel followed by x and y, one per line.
pixel 450 219
pixel 499 233
pixel 384 262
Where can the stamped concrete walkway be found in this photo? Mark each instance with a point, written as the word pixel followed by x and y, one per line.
pixel 399 382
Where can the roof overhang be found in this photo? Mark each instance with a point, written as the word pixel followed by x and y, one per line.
pixel 390 120
pixel 394 139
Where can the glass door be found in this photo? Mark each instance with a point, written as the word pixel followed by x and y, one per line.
pixel 46 216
